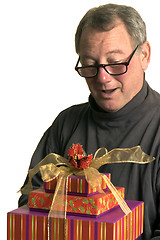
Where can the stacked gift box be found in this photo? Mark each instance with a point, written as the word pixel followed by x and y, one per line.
pixel 90 215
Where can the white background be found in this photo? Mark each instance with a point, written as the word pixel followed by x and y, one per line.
pixel 37 77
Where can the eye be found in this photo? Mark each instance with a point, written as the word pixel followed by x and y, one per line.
pixel 87 61
pixel 114 61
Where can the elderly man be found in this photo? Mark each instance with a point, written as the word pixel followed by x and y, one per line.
pixel 122 112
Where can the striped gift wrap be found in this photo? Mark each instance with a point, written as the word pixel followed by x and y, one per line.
pixel 23 224
pixel 76 185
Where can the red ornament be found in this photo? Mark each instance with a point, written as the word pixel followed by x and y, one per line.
pixel 78 158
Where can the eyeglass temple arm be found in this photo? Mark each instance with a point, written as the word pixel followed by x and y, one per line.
pixel 77 62
pixel 132 54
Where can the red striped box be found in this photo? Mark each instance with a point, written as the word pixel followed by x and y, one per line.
pixel 76 186
pixel 94 205
pixel 23 224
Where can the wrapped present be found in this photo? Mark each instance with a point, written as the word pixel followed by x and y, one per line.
pixel 77 185
pixel 94 205
pixel 24 224
pixel 123 222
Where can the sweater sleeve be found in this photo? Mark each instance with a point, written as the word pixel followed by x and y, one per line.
pixel 156 234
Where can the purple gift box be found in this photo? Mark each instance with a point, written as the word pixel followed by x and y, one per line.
pixel 23 224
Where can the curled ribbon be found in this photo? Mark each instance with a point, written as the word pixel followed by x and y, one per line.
pixel 54 165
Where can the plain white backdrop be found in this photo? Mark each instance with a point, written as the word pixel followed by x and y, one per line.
pixel 37 77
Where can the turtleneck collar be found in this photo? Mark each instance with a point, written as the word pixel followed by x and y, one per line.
pixel 126 110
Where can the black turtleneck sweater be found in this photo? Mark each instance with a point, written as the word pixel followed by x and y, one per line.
pixel 137 123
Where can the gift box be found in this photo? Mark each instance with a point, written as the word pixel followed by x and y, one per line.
pixel 94 205
pixel 24 224
pixel 76 185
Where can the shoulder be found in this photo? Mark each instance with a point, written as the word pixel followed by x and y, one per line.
pixel 70 117
pixel 74 111
pixel 64 126
pixel 153 97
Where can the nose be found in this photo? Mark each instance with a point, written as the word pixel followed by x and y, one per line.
pixel 103 76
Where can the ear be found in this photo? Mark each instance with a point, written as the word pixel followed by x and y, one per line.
pixel 145 55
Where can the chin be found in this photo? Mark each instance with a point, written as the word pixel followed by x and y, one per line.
pixel 109 107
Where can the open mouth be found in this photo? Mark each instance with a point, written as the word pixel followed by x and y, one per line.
pixel 109 91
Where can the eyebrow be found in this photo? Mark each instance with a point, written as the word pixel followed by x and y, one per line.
pixel 115 51
pixel 87 56
pixel 108 56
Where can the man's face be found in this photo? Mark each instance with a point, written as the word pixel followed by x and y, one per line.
pixel 97 47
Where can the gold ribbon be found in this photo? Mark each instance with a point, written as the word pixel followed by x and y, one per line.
pixel 54 165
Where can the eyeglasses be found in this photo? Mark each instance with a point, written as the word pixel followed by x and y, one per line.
pixel 112 69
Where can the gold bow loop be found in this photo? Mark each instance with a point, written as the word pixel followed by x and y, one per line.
pixel 52 164
pixel 120 155
pixel 50 172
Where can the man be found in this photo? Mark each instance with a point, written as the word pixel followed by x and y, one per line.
pixel 122 112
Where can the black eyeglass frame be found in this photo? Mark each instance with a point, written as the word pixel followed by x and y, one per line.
pixel 105 65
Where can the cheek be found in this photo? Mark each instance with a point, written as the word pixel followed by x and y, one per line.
pixel 131 83
pixel 124 82
pixel 120 81
pixel 91 83
pixel 88 82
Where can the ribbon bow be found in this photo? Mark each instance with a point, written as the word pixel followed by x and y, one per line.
pixel 79 164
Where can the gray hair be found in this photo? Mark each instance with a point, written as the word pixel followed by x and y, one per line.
pixel 104 18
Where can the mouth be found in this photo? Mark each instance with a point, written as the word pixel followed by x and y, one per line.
pixel 109 91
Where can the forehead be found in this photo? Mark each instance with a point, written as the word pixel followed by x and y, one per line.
pixel 95 41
